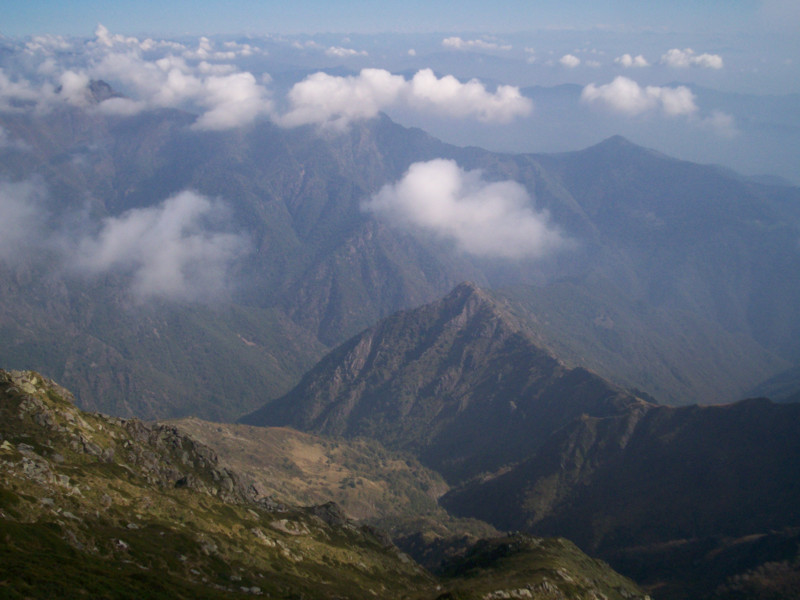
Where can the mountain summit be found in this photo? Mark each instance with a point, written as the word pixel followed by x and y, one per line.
pixel 446 381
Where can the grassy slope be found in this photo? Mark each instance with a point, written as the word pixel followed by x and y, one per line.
pixel 92 506
pixel 123 508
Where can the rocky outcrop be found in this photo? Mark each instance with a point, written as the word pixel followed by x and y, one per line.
pixel 149 512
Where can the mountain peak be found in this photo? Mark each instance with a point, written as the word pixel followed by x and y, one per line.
pixel 442 380
pixel 467 295
pixel 466 287
pixel 617 142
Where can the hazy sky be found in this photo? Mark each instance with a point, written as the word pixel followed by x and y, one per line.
pixel 709 81
pixel 157 17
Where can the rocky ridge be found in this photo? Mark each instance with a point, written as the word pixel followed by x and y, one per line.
pixel 146 509
pixel 98 506
pixel 445 381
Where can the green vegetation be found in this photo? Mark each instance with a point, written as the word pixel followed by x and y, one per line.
pixel 533 568
pixel 100 507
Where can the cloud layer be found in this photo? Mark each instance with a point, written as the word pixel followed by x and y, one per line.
pixel 490 219
pixel 169 250
pixel 336 101
pixel 175 250
pixel 682 59
pixel 625 96
pixel 224 100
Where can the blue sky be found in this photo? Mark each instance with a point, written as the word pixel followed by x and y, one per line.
pixel 152 17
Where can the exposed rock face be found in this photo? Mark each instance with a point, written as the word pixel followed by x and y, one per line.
pixel 149 512
pixel 94 506
pixel 460 382
pixel 158 453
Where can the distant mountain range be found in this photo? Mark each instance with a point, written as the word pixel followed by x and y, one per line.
pixel 677 271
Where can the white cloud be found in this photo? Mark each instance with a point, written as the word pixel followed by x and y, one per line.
pixel 458 43
pixel 105 38
pixel 242 49
pixel 48 44
pixel 628 61
pixel 174 77
pixel 169 250
pixel 205 51
pixel 166 82
pixel 232 100
pixel 339 52
pixel 336 101
pixel 123 107
pixel 207 68
pixel 74 88
pixel 225 97
pixel 491 219
pixel 19 92
pixel 570 61
pixel 449 96
pixel 152 74
pixel 625 96
pixel 687 58
pixel 179 249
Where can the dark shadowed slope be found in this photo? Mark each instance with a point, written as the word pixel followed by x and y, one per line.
pixel 460 382
pixel 658 490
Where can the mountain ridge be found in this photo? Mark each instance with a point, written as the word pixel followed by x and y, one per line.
pixel 321 269
pixel 665 482
pixel 97 506
pixel 439 379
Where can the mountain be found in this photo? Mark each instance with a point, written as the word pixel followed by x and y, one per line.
pixel 670 354
pixel 103 507
pixel 660 492
pixel 291 199
pixel 520 566
pixel 97 506
pixel 689 255
pixel 693 237
pixel 446 381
